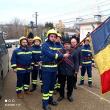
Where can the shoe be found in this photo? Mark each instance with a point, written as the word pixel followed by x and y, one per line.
pixel 41 90
pixel 0 97
pixel 90 85
pixel 33 89
pixel 28 92
pixel 20 96
pixel 60 99
pixel 75 87
pixel 47 108
pixel 53 102
pixel 70 99
pixel 55 92
pixel 81 84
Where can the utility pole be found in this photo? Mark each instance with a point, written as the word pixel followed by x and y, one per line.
pixel 36 14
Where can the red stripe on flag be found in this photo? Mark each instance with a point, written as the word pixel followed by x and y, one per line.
pixel 105 81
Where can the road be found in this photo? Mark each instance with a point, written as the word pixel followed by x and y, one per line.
pixel 85 98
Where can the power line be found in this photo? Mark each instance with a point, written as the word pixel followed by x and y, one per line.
pixel 94 10
pixel 101 2
pixel 89 14
pixel 90 8
pixel 85 19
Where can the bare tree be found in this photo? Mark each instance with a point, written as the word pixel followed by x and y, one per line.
pixel 14 29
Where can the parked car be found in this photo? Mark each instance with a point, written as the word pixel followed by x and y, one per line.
pixel 9 45
pixel 4 62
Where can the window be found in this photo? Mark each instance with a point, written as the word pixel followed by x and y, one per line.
pixel 3 49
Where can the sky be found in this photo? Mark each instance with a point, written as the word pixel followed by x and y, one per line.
pixel 49 10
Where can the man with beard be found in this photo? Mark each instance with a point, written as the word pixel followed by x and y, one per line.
pixel 21 61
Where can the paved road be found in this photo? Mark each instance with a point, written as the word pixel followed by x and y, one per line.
pixel 85 98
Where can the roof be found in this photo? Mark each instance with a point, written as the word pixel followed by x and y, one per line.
pixel 87 23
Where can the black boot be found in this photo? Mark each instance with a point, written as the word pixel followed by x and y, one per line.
pixel 70 99
pixel 81 82
pixel 90 84
pixel 55 92
pixel 33 88
pixel 53 102
pixel 41 88
pixel 0 97
pixel 60 99
pixel 75 87
pixel 47 108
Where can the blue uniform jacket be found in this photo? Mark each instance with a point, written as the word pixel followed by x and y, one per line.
pixel 21 58
pixel 50 56
pixel 59 46
pixel 86 55
pixel 36 53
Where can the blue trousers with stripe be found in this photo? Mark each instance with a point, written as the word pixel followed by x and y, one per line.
pixel 49 79
pixel 23 80
pixel 35 74
pixel 87 68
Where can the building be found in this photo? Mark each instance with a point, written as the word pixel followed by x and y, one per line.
pixel 88 25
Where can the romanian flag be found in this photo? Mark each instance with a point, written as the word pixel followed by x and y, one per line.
pixel 101 47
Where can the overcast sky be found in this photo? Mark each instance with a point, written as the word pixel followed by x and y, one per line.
pixel 48 10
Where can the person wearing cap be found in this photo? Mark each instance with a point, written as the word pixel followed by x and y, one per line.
pixel 21 61
pixel 36 56
pixel 49 68
pixel 66 68
pixel 86 62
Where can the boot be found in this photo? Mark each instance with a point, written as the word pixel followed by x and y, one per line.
pixel 20 95
pixel 0 97
pixel 70 99
pixel 60 99
pixel 90 84
pixel 53 102
pixel 47 108
pixel 28 92
pixel 75 87
pixel 33 88
pixel 41 88
pixel 81 82
pixel 55 92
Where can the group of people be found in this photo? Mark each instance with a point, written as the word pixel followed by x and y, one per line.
pixel 56 61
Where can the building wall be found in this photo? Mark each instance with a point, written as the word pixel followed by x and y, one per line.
pixel 85 28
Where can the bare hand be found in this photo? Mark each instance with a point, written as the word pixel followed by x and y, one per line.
pixel 66 55
pixel 80 66
pixel 14 70
pixel 93 65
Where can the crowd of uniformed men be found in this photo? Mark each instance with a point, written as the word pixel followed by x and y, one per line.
pixel 54 63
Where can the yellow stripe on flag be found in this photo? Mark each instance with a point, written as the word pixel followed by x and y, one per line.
pixel 103 59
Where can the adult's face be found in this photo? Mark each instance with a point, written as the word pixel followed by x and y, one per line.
pixel 30 41
pixel 24 43
pixel 87 41
pixel 37 42
pixel 73 42
pixel 58 39
pixel 67 46
pixel 52 37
